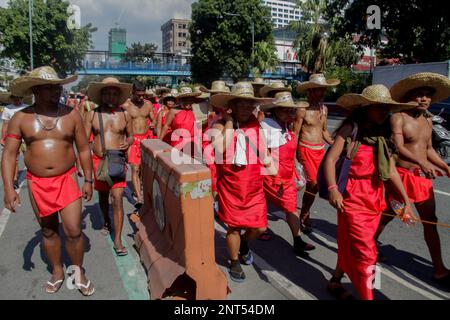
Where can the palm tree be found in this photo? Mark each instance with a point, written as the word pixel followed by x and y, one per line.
pixel 264 58
pixel 312 41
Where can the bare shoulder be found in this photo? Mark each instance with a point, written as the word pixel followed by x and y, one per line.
pixel 90 115
pixel 301 112
pixel 397 119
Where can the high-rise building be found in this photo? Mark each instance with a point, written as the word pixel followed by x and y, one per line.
pixel 282 12
pixel 175 36
pixel 117 43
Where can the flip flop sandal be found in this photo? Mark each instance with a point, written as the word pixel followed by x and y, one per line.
pixel 237 276
pixel 247 259
pixel 86 286
pixel 56 286
pixel 121 252
pixel 338 291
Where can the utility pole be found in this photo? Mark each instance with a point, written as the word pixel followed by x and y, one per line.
pixel 30 22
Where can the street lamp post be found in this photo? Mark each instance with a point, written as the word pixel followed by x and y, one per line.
pixel 30 18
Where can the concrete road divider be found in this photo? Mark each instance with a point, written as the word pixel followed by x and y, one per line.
pixel 175 236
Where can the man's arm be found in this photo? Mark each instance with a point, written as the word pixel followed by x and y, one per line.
pixel 130 138
pixel 168 123
pixel 84 154
pixel 326 134
pixel 4 130
pixel 10 151
pixel 88 120
pixel 299 122
pixel 159 125
pixel 435 159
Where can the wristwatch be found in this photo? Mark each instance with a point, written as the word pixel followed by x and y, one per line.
pixel 88 181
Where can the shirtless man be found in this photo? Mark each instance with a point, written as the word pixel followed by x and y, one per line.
pixel 118 132
pixel 141 113
pixel 311 128
pixel 418 162
pixel 50 131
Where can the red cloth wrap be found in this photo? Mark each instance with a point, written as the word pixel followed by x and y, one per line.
pixel 168 135
pixel 101 185
pixel 358 222
pixel 13 136
pixel 242 203
pixel 311 159
pixel 53 194
pixel 134 154
pixel 419 189
pixel 184 120
pixel 285 158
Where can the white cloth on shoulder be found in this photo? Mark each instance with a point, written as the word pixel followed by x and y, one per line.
pixel 273 132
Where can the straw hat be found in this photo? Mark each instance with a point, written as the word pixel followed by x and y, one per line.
pixel 277 86
pixel 161 91
pixel 204 95
pixel 150 93
pixel 95 89
pixel 217 87
pixel 186 92
pixel 200 111
pixel 168 96
pixel 375 94
pixel 174 92
pixel 317 81
pixel 22 86
pixel 284 99
pixel 438 82
pixel 5 98
pixel 241 90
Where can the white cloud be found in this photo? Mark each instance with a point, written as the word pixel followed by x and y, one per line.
pixel 141 18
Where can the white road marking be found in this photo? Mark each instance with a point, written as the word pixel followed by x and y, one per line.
pixel 442 193
pixel 280 282
pixel 4 216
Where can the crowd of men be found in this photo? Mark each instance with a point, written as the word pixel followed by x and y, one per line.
pixel 260 145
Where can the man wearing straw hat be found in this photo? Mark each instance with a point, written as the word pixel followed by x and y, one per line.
pixel 245 160
pixel 182 122
pixel 50 130
pixel 281 189
pixel 117 138
pixel 142 118
pixel 418 162
pixel 313 133
pixel 215 114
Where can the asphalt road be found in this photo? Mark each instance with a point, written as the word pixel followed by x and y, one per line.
pixel 276 274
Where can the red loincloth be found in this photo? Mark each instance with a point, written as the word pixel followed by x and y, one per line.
pixel 419 189
pixel 53 194
pixel 285 158
pixel 357 224
pixel 134 155
pixel 311 156
pixel 101 185
pixel 242 203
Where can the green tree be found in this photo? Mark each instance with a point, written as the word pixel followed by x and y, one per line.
pixel 54 44
pixel 222 44
pixel 141 53
pixel 318 50
pixel 264 58
pixel 416 30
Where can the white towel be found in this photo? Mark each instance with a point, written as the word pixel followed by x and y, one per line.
pixel 273 133
pixel 240 154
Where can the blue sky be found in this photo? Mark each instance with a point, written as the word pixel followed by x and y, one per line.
pixel 141 18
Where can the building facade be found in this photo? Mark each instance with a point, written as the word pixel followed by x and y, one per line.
pixel 117 41
pixel 175 36
pixel 282 12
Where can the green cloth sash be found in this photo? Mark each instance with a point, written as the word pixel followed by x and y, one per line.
pixel 374 137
